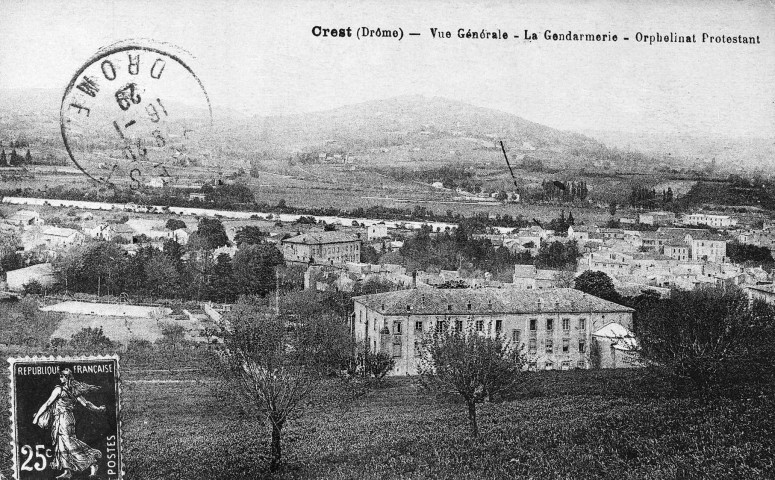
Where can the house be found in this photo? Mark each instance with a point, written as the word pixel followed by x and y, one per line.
pixel 657 218
pixel 708 246
pixel 25 218
pixel 528 277
pixel 56 237
pixel 762 292
pixel 677 250
pixel 376 231
pixel 322 247
pixel 43 273
pixel 554 325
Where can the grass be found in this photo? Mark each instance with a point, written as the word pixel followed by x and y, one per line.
pixel 566 425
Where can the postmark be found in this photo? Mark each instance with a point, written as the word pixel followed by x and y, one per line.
pixel 136 114
pixel 65 417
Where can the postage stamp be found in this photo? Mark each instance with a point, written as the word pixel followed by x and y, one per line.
pixel 65 417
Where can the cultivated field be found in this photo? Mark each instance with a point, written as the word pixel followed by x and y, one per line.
pixel 579 425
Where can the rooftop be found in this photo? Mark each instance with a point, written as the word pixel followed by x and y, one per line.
pixel 320 238
pixel 486 301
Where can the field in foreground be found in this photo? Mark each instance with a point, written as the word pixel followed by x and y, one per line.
pixel 567 425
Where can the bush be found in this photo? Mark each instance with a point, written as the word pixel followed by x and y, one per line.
pixel 379 364
pixel 91 340
pixel 33 287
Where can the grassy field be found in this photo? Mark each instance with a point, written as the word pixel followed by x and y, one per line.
pixel 574 425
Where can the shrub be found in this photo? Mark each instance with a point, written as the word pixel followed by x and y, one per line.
pixel 379 364
pixel 91 340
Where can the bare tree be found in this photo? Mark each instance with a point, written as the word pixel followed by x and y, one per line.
pixel 471 364
pixel 280 364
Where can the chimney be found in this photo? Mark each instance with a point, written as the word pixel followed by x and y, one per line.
pixel 414 279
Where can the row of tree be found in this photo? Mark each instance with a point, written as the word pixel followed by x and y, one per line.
pixel 14 159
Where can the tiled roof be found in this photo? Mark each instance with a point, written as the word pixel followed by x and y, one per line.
pixel 486 301
pixel 320 238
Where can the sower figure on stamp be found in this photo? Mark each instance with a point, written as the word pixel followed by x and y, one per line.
pixel 70 454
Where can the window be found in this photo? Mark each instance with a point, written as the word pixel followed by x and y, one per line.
pixel 533 324
pixel 515 336
pixel 549 366
pixel 549 324
pixel 565 345
pixel 441 325
pixel 582 346
pixel 532 346
pixel 449 308
pixel 469 306
pixel 396 328
pixel 418 326
pixel 565 366
pixel 582 323
pixel 549 345
pixel 417 349
pixel 396 349
pixel 498 325
pixel 581 364
pixel 479 325
pixel 566 324
pixel 408 308
pixel 458 325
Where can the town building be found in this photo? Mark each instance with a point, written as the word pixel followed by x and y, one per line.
pixel 322 247
pixel 528 277
pixel 376 231
pixel 708 246
pixel 716 221
pixel 25 218
pixel 657 218
pixel 555 326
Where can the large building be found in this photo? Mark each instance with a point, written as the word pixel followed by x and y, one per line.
pixel 555 326
pixel 322 248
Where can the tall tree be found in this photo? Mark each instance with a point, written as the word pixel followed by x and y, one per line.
pixel 254 268
pixel 211 233
pixel 250 235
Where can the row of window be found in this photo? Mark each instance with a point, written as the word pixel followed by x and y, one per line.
pixel 581 325
pixel 441 325
pixel 532 345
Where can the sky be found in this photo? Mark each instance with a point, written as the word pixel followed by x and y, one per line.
pixel 262 58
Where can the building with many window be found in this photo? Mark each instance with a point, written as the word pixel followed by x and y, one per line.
pixel 554 326
pixel 322 248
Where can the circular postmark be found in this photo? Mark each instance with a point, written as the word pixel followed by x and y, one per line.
pixel 136 113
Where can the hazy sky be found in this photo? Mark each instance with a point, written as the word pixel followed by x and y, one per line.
pixel 261 57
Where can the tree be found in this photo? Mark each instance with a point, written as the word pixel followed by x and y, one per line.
pixel 28 158
pixel 369 255
pixel 173 334
pixel 708 338
pixel 250 235
pixel 254 268
pixel 175 224
pixel 598 284
pixel 162 277
pixel 3 160
pixel 211 233
pixel 471 365
pixel 278 366
pixel 223 287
